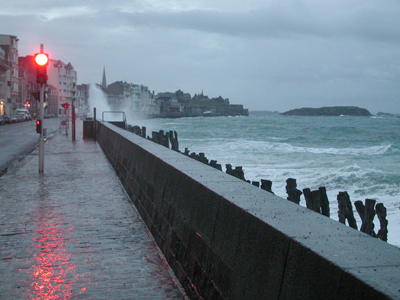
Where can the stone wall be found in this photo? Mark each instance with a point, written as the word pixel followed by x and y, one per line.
pixel 226 239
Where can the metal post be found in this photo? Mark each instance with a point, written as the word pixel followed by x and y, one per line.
pixel 94 123
pixel 73 109
pixel 41 139
pixel 67 119
pixel 73 119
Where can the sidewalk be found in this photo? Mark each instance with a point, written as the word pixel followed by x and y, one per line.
pixel 72 232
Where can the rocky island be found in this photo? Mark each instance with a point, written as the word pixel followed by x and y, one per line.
pixel 329 111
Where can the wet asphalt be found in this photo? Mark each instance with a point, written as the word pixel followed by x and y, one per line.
pixel 72 232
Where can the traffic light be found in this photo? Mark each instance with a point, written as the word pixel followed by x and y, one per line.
pixel 39 126
pixel 65 105
pixel 41 61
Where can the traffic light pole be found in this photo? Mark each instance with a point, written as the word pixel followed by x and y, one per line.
pixel 41 139
pixel 73 119
pixel 73 92
pixel 41 60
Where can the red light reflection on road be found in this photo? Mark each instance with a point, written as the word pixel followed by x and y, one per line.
pixel 53 274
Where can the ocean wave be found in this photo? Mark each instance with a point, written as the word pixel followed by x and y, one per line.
pixel 373 150
pixel 289 148
pixel 276 145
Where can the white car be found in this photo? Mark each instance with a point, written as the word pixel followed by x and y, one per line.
pixel 27 117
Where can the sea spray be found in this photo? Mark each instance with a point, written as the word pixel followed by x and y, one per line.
pixel 97 99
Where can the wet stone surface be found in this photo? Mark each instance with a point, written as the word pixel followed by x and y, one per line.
pixel 72 233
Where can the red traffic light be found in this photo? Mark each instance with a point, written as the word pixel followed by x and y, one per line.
pixel 65 105
pixel 41 59
pixel 39 126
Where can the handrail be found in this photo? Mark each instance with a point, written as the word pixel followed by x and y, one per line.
pixel 114 112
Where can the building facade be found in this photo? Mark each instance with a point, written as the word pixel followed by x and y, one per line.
pixel 132 98
pixel 5 67
pixel 28 91
pixel 62 77
pixel 82 97
pixel 9 74
pixel 60 83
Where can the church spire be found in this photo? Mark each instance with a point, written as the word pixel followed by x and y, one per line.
pixel 104 82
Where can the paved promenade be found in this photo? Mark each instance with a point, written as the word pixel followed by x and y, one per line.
pixel 72 232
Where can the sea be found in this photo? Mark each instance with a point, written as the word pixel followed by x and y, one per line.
pixel 359 155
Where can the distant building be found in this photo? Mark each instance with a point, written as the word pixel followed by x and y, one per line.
pixel 202 105
pixel 28 92
pixel 169 104
pixel 82 97
pixel 59 87
pixel 63 77
pixel 52 104
pixel 180 104
pixel 131 98
pixel 104 81
pixel 4 88
pixel 9 74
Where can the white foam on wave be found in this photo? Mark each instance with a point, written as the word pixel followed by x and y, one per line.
pixel 373 150
pixel 284 147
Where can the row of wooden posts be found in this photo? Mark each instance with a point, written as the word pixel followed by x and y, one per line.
pixel 166 139
pixel 316 200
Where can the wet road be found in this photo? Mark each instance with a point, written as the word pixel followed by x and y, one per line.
pixel 72 233
pixel 18 139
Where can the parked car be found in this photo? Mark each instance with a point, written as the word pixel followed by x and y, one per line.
pixel 7 119
pixel 20 118
pixel 26 116
pixel 1 120
pixel 14 119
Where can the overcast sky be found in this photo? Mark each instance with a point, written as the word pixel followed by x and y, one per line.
pixel 265 54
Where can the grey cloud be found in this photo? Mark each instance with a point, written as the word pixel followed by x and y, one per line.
pixel 280 56
pixel 378 25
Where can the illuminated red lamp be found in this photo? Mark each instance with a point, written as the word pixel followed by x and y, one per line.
pixel 41 61
pixel 39 126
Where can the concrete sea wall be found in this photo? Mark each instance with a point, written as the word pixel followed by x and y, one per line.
pixel 226 239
